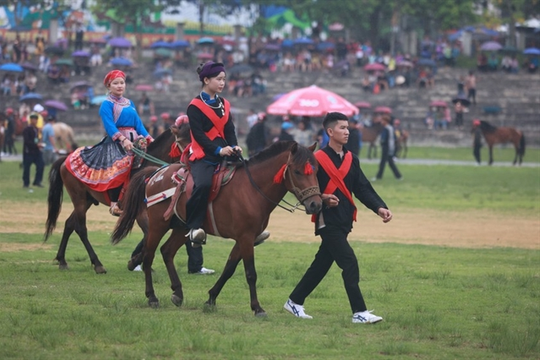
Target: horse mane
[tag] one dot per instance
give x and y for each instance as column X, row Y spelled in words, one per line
column 160, row 140
column 487, row 127
column 302, row 155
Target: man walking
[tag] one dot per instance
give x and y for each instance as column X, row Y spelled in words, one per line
column 339, row 176
column 388, row 148
column 32, row 153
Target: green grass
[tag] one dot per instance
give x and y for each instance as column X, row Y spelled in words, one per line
column 500, row 154
column 437, row 302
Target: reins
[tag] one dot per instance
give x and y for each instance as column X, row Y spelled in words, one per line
column 293, row 207
column 149, row 157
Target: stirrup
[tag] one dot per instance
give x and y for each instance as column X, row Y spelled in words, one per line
column 261, row 238
column 197, row 237
column 114, row 210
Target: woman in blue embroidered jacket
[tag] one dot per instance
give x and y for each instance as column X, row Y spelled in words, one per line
column 212, row 138
column 106, row 166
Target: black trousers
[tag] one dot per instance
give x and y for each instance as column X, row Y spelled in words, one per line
column 195, row 256
column 476, row 153
column 28, row 160
column 197, row 204
column 387, row 158
column 334, row 247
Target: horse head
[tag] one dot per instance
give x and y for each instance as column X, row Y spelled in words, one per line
column 300, row 177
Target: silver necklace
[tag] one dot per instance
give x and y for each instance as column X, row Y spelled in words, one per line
column 219, row 107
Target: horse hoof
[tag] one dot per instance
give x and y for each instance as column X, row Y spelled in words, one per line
column 209, row 307
column 63, row 267
column 100, row 270
column 261, row 314
column 154, row 304
column 176, row 300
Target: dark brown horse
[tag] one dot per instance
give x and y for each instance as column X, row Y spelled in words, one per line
column 240, row 211
column 502, row 135
column 83, row 197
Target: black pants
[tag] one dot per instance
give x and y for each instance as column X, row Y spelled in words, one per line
column 476, row 153
column 334, row 247
column 472, row 95
column 386, row 158
column 197, row 204
column 28, row 160
column 195, row 256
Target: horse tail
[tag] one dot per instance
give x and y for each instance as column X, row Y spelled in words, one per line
column 522, row 144
column 133, row 204
column 54, row 199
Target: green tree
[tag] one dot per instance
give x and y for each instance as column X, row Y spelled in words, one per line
column 133, row 12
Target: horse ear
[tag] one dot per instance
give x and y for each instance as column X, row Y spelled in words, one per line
column 312, row 147
column 294, row 147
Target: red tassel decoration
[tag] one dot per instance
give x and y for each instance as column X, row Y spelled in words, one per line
column 308, row 169
column 175, row 151
column 280, row 174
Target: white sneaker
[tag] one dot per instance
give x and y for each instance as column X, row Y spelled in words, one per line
column 138, row 268
column 296, row 310
column 365, row 317
column 204, row 271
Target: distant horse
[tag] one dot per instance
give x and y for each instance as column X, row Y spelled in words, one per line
column 63, row 136
column 401, row 145
column 370, row 135
column 241, row 211
column 83, row 197
column 502, row 135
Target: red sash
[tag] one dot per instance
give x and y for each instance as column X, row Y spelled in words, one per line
column 336, row 176
column 216, row 131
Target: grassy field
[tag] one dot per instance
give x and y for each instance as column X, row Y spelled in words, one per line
column 437, row 302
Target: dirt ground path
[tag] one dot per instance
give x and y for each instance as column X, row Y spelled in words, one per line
column 471, row 229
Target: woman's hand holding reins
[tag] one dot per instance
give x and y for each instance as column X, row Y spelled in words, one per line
column 126, row 144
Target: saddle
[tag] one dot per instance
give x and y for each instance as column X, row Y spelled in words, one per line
column 182, row 182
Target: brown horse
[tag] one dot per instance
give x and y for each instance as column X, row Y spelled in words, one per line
column 401, row 145
column 63, row 137
column 370, row 135
column 502, row 135
column 240, row 211
column 83, row 197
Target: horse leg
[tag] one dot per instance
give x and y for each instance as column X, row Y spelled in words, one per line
column 168, row 251
column 228, row 271
column 248, row 256
column 370, row 147
column 149, row 251
column 490, row 154
column 61, row 254
column 82, row 231
column 137, row 255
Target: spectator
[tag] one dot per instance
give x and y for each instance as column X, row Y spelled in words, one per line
column 470, row 85
column 303, row 134
column 257, row 138
column 388, row 147
column 459, row 110
column 48, row 136
column 146, row 105
column 32, row 153
column 355, row 137
column 252, row 118
column 9, row 147
column 477, row 142
column 79, row 36
column 285, row 134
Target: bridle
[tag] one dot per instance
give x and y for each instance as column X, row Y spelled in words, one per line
column 301, row 194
